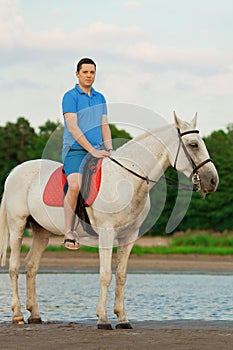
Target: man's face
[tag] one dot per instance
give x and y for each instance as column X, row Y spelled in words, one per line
column 86, row 75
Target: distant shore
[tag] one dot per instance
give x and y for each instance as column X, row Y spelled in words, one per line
column 81, row 261
column 75, row 261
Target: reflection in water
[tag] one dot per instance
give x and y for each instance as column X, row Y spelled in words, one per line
column 73, row 297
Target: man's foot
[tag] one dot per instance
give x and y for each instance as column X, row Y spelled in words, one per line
column 70, row 242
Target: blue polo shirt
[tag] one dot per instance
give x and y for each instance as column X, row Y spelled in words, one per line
column 89, row 110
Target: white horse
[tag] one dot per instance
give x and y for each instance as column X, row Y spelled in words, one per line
column 116, row 215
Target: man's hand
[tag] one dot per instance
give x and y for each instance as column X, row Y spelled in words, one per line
column 99, row 153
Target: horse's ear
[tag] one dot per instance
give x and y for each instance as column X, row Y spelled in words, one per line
column 177, row 121
column 194, row 121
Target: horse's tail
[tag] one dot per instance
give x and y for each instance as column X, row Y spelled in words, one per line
column 4, row 232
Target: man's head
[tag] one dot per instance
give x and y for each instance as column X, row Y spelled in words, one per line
column 85, row 73
column 85, row 60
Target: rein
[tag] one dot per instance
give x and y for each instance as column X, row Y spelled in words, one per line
column 148, row 180
column 194, row 166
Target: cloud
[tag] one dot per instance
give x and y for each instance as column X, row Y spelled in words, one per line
column 56, row 44
column 198, row 61
column 56, row 11
column 132, row 5
column 18, row 83
column 130, row 44
column 97, row 35
column 140, row 62
column 11, row 24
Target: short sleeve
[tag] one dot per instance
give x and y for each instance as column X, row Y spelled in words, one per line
column 105, row 110
column 69, row 104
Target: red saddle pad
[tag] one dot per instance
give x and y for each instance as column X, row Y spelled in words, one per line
column 54, row 190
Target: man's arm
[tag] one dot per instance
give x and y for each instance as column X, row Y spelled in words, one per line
column 76, row 132
column 106, row 133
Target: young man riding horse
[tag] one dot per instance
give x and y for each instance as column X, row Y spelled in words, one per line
column 86, row 130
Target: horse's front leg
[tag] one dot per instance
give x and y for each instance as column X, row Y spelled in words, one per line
column 123, row 253
column 105, row 255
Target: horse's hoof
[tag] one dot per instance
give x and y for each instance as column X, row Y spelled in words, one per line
column 126, row 325
column 18, row 320
column 34, row 320
column 105, row 326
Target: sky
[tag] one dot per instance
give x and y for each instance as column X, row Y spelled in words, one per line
column 159, row 55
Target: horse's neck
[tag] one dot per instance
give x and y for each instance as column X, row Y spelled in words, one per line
column 150, row 151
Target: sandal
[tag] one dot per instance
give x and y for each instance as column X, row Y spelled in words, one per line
column 71, row 240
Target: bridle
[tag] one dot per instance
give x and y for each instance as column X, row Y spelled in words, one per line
column 194, row 176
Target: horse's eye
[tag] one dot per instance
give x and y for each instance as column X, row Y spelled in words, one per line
column 193, row 145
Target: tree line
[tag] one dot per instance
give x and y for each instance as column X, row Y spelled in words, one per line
column 20, row 142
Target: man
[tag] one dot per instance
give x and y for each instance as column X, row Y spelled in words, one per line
column 86, row 130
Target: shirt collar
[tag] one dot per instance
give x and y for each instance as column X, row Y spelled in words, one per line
column 93, row 92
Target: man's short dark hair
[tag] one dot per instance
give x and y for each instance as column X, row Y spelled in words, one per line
column 85, row 60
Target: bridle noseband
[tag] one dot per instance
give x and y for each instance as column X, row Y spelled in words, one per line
column 194, row 176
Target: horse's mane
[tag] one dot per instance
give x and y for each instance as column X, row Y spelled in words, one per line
column 156, row 132
column 152, row 132
column 145, row 134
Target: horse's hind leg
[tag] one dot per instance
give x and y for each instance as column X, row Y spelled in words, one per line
column 40, row 242
column 16, row 236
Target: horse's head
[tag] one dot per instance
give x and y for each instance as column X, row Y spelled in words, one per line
column 192, row 157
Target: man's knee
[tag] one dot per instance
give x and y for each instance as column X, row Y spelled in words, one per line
column 74, row 183
column 74, row 187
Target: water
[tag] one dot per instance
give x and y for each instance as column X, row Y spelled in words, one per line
column 73, row 297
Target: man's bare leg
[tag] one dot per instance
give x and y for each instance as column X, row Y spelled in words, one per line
column 70, row 202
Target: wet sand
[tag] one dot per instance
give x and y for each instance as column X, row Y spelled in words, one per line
column 175, row 335
column 147, row 335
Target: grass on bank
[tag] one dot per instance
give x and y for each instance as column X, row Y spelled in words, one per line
column 185, row 243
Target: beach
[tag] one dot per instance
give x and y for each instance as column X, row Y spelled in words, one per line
column 175, row 335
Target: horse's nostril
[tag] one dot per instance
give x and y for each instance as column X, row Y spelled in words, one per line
column 213, row 181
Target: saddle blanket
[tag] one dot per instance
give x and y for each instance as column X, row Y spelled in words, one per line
column 55, row 188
